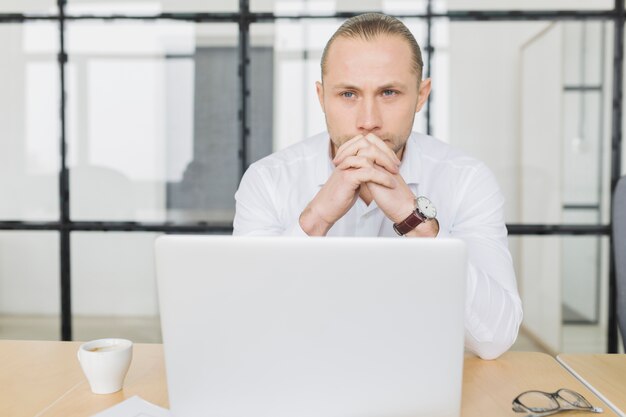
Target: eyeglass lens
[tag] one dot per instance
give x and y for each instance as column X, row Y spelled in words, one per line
column 538, row 401
column 573, row 398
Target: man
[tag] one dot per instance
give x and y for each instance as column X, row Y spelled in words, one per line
column 362, row 177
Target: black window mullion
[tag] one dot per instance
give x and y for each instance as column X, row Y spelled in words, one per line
column 64, row 192
column 244, row 87
column 616, row 169
column 429, row 59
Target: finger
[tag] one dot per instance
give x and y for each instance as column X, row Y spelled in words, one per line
column 350, row 148
column 360, row 170
column 362, row 162
column 355, row 162
column 348, row 143
column 376, row 156
column 381, row 156
column 378, row 142
column 365, row 175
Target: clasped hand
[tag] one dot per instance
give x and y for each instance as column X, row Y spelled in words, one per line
column 364, row 166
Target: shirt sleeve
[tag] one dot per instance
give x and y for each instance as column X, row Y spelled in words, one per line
column 256, row 213
column 493, row 309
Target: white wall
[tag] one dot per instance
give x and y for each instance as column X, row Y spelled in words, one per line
column 484, row 100
column 541, row 190
column 527, row 4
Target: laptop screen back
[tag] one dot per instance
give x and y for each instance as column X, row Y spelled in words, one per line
column 285, row 327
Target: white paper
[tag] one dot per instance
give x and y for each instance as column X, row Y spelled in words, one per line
column 135, row 407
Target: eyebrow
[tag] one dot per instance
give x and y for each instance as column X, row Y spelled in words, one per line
column 393, row 85
column 387, row 86
column 344, row 86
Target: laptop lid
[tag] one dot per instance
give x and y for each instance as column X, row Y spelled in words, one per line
column 299, row 327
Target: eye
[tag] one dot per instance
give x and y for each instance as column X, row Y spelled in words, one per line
column 389, row 93
column 348, row 94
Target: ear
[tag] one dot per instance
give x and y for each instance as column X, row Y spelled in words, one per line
column 319, row 87
column 423, row 94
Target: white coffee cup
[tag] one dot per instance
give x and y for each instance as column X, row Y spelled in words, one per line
column 105, row 363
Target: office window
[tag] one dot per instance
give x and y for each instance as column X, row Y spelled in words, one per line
column 526, row 4
column 114, row 286
column 317, row 7
column 29, row 285
column 29, row 121
column 532, row 100
column 105, row 7
column 28, row 6
column 564, row 301
column 153, row 121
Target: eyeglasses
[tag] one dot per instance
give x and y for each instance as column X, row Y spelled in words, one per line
column 540, row 404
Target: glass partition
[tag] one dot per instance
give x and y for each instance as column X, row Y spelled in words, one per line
column 525, row 4
column 114, row 290
column 29, row 285
column 532, row 100
column 105, row 7
column 29, row 7
column 563, row 282
column 153, row 121
column 317, row 7
column 29, row 121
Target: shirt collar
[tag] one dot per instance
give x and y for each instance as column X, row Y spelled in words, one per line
column 410, row 169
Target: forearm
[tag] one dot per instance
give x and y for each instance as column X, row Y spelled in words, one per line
column 312, row 224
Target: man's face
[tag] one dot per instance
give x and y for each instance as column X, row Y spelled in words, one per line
column 371, row 87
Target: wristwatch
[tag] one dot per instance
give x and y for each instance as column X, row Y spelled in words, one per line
column 424, row 210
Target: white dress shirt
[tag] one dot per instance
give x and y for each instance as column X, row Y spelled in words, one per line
column 275, row 190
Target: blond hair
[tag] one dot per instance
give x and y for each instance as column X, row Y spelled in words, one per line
column 370, row 26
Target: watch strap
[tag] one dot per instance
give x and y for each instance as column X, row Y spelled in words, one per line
column 411, row 222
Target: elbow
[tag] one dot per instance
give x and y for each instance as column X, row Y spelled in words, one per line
column 491, row 350
column 489, row 344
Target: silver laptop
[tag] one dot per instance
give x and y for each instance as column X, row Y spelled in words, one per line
column 312, row 327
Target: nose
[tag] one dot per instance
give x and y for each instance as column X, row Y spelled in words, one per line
column 369, row 118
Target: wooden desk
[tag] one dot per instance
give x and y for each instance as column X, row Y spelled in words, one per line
column 44, row 379
column 604, row 374
column 490, row 386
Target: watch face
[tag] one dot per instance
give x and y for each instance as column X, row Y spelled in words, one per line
column 426, row 207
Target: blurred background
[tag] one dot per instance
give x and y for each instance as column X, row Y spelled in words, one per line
column 122, row 120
